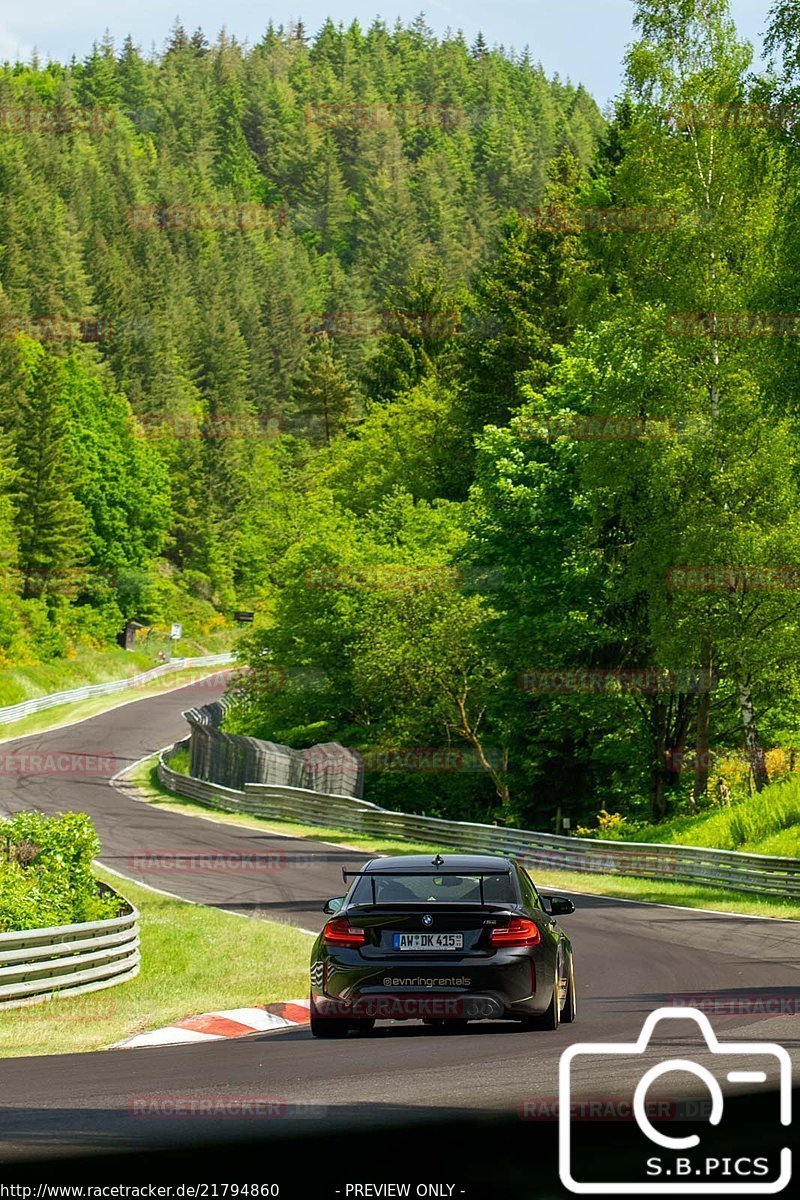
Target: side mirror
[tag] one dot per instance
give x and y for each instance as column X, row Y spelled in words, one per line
column 332, row 906
column 558, row 906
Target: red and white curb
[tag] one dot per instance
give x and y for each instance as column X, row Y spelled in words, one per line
column 231, row 1023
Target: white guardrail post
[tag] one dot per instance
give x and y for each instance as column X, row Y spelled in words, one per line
column 66, row 960
column 754, row 873
column 15, row 712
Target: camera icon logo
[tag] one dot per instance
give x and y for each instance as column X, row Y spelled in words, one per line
column 676, row 1170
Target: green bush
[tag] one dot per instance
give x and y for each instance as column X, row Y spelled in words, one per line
column 776, row 809
column 180, row 761
column 46, row 872
column 456, row 797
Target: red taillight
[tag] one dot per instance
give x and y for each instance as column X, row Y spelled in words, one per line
column 339, row 932
column 520, row 931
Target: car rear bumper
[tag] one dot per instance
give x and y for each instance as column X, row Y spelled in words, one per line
column 510, row 985
column 400, row 1006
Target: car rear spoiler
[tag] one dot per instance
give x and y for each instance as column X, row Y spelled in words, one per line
column 433, row 871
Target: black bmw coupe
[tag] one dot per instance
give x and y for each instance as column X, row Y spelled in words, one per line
column 444, row 940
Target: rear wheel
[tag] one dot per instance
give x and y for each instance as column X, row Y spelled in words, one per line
column 362, row 1024
column 569, row 1010
column 329, row 1027
column 550, row 1018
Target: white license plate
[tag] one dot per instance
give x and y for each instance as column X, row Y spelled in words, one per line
column 428, row 941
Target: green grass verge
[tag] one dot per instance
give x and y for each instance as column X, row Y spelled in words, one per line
column 768, row 823
column 194, row 959
column 648, row 891
column 657, row 891
column 144, row 778
column 179, row 762
column 67, row 714
column 89, row 666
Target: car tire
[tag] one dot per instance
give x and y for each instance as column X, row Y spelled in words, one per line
column 551, row 1017
column 363, row 1024
column 329, row 1027
column 569, row 1010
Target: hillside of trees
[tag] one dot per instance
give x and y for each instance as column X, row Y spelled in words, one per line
column 608, row 469
column 172, row 231
column 486, row 404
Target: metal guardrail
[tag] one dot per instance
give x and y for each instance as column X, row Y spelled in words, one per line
column 25, row 708
column 67, row 960
column 753, row 873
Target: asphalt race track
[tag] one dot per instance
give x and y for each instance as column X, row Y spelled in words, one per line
column 630, row 959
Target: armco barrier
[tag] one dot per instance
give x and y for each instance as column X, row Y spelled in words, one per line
column 754, row 873
column 66, row 960
column 15, row 712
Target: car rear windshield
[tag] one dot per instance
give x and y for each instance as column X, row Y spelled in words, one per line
column 433, row 889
